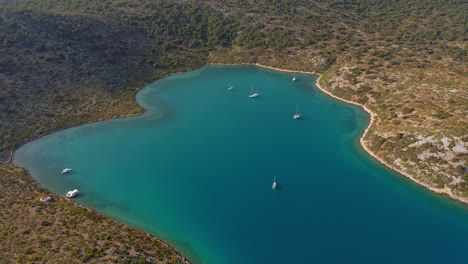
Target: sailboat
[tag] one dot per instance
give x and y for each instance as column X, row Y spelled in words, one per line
column 294, row 78
column 253, row 94
column 274, row 183
column 297, row 115
column 66, row 170
column 230, row 87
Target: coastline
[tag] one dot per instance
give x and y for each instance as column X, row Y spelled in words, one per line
column 74, row 202
column 132, row 235
column 72, row 126
column 441, row 191
column 142, row 112
column 264, row 66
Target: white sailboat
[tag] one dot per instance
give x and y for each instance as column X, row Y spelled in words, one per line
column 294, row 78
column 253, row 94
column 66, row 170
column 274, row 183
column 230, row 87
column 297, row 115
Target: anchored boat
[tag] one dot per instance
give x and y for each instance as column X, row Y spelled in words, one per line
column 297, row 115
column 72, row 194
column 253, row 94
column 230, row 87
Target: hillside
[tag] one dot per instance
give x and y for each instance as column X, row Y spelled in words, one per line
column 69, row 62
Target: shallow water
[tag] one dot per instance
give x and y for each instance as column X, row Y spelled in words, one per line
column 196, row 170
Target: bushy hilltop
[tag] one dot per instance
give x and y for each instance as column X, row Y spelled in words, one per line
column 66, row 62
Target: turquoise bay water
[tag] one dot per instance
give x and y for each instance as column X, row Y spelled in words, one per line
column 196, row 170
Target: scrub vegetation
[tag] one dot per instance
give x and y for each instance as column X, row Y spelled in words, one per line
column 67, row 62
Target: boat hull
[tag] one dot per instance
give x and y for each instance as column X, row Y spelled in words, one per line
column 72, row 194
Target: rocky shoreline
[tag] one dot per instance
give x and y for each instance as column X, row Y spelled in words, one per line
column 65, row 224
column 442, row 191
column 33, row 181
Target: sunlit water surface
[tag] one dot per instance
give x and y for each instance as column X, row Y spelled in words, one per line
column 197, row 168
